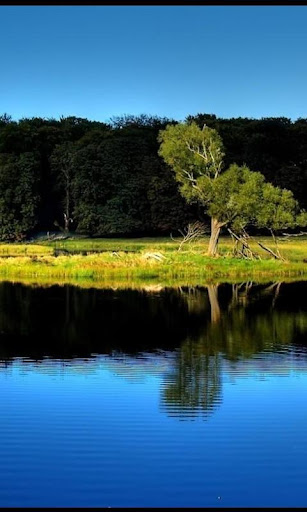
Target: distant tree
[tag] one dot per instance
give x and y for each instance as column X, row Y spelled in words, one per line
column 5, row 119
column 19, row 198
column 121, row 187
column 74, row 128
column 63, row 166
column 141, row 121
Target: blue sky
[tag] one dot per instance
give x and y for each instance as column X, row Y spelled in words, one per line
column 101, row 61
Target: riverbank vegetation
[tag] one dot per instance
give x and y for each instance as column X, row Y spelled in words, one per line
column 147, row 260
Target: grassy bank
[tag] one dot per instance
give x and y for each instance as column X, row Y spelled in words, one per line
column 145, row 260
column 293, row 249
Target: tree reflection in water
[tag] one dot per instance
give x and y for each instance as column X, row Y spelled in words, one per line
column 244, row 322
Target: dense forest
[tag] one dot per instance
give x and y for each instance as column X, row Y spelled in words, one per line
column 107, row 179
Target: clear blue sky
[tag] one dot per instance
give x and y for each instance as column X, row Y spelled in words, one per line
column 101, row 61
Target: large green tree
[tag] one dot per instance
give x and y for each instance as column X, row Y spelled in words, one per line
column 234, row 198
column 196, row 156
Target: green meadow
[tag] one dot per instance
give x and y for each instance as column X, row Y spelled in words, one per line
column 146, row 260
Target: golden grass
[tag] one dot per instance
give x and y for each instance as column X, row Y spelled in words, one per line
column 112, row 264
column 294, row 249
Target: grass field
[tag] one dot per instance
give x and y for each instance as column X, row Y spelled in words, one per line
column 145, row 260
column 293, row 249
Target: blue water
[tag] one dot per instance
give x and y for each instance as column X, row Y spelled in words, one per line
column 200, row 423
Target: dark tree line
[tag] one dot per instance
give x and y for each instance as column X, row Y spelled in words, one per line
column 107, row 178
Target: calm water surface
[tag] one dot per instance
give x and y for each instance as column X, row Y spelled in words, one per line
column 161, row 397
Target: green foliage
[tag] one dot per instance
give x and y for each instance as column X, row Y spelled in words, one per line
column 236, row 197
column 278, row 209
column 18, row 195
column 121, row 187
column 302, row 219
column 242, row 197
column 193, row 153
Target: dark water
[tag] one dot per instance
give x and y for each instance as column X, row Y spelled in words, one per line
column 174, row 397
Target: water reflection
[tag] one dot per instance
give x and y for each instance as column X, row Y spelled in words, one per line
column 104, row 394
column 250, row 328
column 187, row 336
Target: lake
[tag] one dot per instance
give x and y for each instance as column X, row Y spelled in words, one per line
column 156, row 397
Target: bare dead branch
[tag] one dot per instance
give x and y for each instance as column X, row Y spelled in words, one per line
column 275, row 255
column 245, row 251
column 289, row 235
column 191, row 233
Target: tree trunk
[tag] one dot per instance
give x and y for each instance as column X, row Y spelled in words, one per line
column 67, row 205
column 214, row 303
column 214, row 238
column 66, row 223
